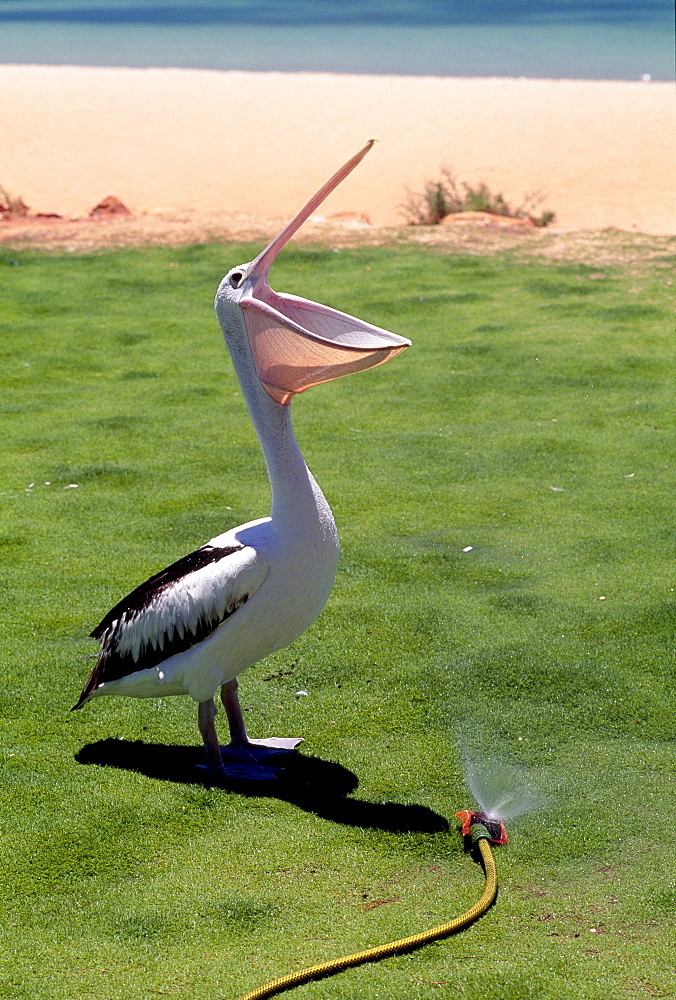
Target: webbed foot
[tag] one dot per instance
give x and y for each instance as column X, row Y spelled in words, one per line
column 259, row 750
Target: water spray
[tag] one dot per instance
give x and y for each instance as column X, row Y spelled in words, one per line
column 481, row 831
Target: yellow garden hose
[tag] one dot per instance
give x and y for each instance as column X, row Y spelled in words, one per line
column 482, row 838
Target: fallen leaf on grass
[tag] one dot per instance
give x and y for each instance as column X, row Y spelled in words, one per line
column 380, row 902
column 445, row 982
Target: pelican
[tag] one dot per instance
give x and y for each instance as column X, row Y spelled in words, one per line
column 195, row 626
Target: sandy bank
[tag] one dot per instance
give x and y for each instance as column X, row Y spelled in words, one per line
column 256, row 144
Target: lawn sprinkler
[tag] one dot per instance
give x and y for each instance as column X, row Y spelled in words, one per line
column 478, row 826
column 480, row 832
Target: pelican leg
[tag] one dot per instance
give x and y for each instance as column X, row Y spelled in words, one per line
column 241, row 747
column 233, row 711
column 206, row 713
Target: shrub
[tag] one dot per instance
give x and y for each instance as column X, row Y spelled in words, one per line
column 10, row 205
column 446, row 196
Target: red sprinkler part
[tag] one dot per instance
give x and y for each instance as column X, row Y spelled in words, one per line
column 495, row 828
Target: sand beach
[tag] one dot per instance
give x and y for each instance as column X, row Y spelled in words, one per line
column 253, row 146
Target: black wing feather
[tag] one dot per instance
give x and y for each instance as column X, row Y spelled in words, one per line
column 140, row 598
column 114, row 663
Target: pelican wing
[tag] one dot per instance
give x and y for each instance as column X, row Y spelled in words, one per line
column 174, row 610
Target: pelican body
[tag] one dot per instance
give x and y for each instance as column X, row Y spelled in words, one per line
column 194, row 627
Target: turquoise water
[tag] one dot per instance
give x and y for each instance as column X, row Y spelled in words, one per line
column 583, row 39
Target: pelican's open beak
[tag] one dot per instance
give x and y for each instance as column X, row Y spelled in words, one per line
column 297, row 343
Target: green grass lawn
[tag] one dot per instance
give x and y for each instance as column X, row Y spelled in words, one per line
column 533, row 421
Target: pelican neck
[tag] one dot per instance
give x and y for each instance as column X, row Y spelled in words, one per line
column 295, row 494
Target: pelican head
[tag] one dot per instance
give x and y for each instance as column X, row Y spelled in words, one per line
column 295, row 343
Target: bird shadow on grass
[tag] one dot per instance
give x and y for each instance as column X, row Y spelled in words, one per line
column 314, row 785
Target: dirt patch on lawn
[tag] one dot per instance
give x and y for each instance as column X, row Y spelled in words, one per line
column 87, row 235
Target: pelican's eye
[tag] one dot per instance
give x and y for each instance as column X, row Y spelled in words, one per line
column 236, row 278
